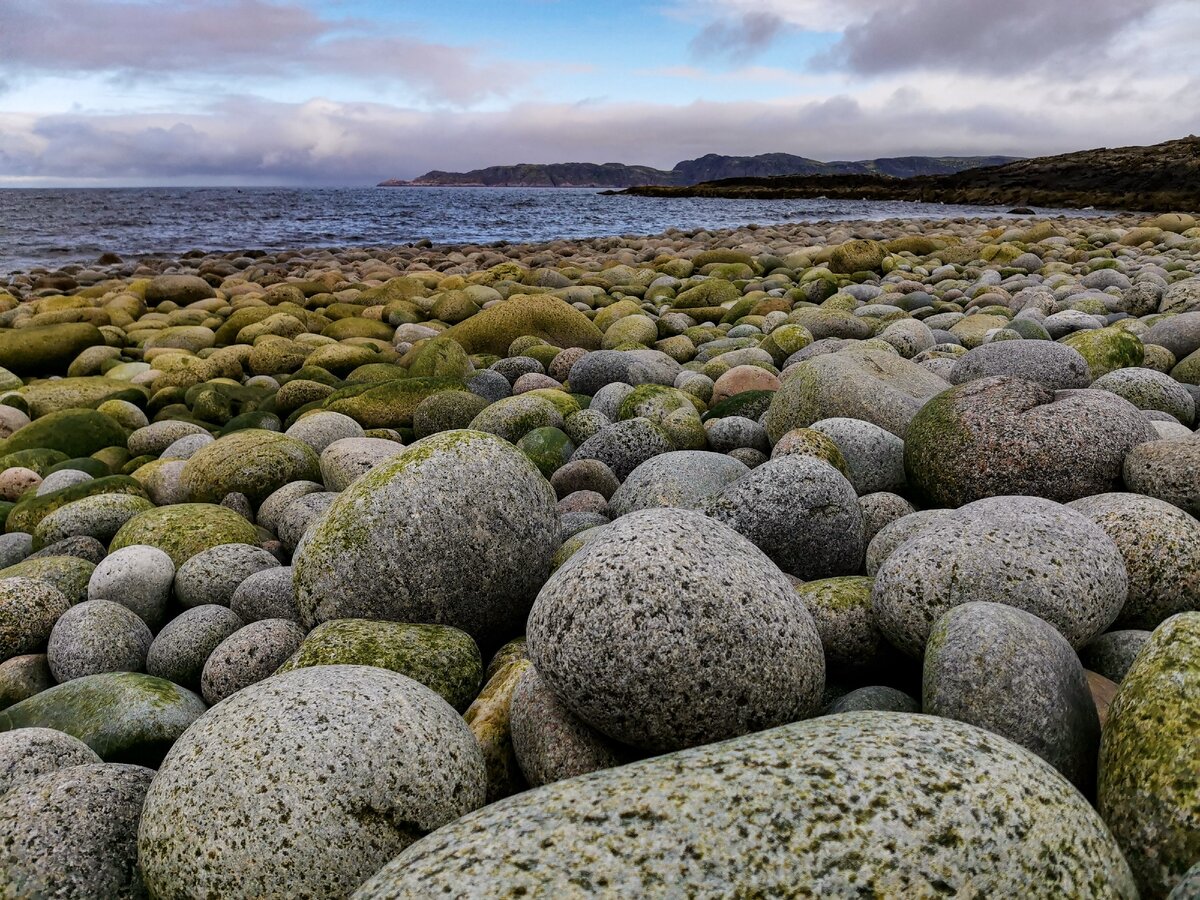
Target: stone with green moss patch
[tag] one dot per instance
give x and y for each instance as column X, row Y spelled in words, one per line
column 252, row 462
column 443, row 659
column 812, row 803
column 74, row 432
column 185, row 529
column 1148, row 790
column 1107, row 349
column 123, row 716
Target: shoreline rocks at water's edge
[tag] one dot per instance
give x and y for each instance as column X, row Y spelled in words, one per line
column 601, row 525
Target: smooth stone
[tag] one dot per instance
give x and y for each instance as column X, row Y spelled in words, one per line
column 247, row 656
column 123, row 716
column 97, row 636
column 28, row 610
column 798, row 510
column 488, row 530
column 841, row 610
column 1112, row 653
column 1033, row 554
column 312, row 779
column 1160, row 544
column 874, row 697
column 344, row 460
column 73, row 833
column 1167, row 470
column 1054, row 366
column 1007, row 671
column 1003, row 436
column 684, row 479
column 443, row 659
column 138, row 578
column 1148, row 791
column 212, row 576
column 551, row 743
column 623, row 446
column 731, row 651
column 181, row 649
column 27, row 753
column 266, row 594
column 874, row 456
column 23, row 676
column 847, row 805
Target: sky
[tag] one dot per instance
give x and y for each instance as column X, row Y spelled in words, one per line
column 350, row 92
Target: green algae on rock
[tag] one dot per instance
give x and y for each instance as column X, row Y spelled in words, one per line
column 492, row 330
column 185, row 529
column 443, row 659
column 252, row 462
column 123, row 716
column 75, row 432
column 458, row 530
column 1148, row 790
column 814, row 804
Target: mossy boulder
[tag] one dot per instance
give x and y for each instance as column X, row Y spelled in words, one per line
column 549, row 318
column 488, row 718
column 69, row 574
column 40, row 460
column 548, row 448
column 446, row 411
column 388, row 404
column 27, row 514
column 46, row 397
column 655, row 402
column 252, row 462
column 124, row 716
column 75, row 432
column 443, row 659
column 857, row 256
column 873, row 385
column 869, row 804
column 358, row 327
column 100, row 516
column 1149, row 793
column 1107, row 349
column 185, row 529
column 441, row 357
column 712, row 292
column 46, row 349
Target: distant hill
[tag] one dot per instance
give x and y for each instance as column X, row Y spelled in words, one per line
column 693, row 171
column 1161, row 177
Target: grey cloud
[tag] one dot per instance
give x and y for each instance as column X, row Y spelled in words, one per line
column 735, row 37
column 336, row 143
column 986, row 37
column 247, row 37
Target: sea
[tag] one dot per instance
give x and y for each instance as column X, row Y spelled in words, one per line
column 50, row 228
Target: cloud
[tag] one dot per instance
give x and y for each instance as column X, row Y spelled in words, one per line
column 985, row 36
column 323, row 141
column 733, row 38
column 256, row 38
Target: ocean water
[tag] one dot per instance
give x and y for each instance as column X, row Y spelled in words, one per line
column 51, row 228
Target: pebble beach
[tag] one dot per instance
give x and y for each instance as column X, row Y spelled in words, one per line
column 825, row 559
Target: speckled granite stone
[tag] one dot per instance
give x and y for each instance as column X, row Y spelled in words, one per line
column 868, row 803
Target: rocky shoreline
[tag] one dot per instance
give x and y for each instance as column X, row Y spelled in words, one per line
column 811, row 559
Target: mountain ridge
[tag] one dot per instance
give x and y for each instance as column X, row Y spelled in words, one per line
column 710, row 167
column 1163, row 177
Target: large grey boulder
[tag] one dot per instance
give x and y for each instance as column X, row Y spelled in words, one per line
column 1009, row 672
column 306, row 783
column 859, row 804
column 1026, row 552
column 458, row 530
column 671, row 629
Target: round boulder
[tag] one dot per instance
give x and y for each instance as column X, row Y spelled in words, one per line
column 312, row 779
column 1034, row 554
column 1004, row 435
column 253, row 462
column 1148, row 791
column 798, row 510
column 1009, row 672
column 212, row 576
column 97, row 636
column 487, row 531
column 29, row 752
column 73, row 833
column 682, row 478
column 730, row 649
column 248, row 656
column 848, row 805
